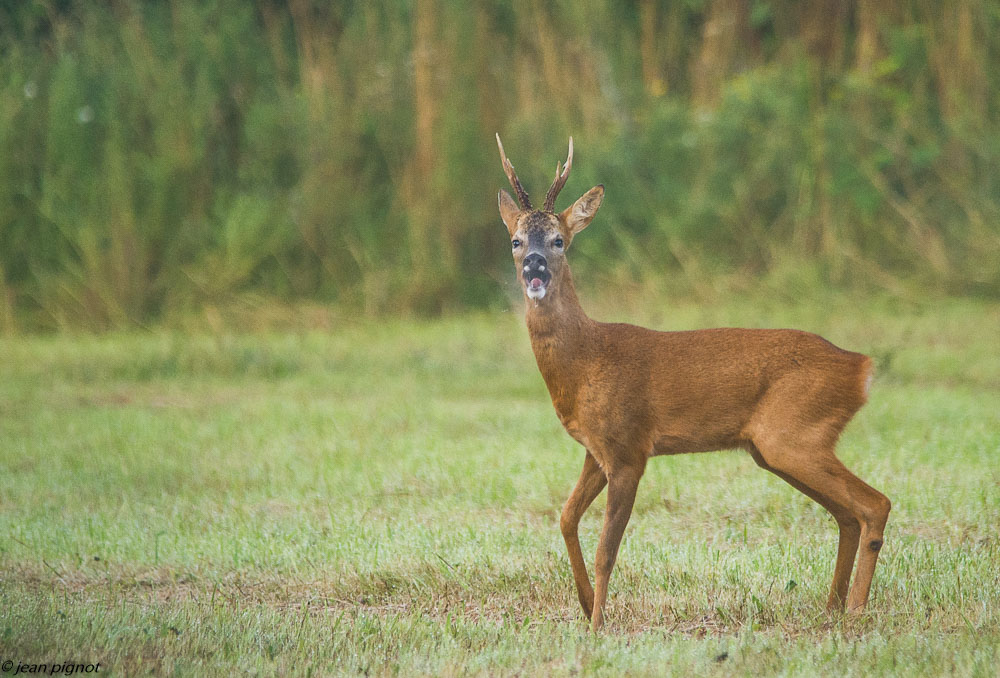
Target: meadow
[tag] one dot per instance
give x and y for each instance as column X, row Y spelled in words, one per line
column 382, row 498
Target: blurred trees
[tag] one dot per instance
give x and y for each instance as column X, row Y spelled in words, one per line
column 157, row 156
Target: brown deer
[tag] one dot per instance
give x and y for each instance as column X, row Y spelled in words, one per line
column 627, row 393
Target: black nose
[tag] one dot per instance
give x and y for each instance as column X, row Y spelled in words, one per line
column 535, row 262
column 535, row 266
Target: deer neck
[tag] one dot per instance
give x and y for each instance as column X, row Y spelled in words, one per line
column 560, row 337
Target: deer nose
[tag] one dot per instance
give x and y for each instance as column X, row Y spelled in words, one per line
column 535, row 262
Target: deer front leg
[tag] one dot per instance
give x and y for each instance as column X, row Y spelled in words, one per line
column 590, row 484
column 622, row 485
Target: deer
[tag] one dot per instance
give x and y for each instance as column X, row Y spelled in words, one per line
column 627, row 393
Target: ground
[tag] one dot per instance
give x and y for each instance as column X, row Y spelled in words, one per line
column 383, row 498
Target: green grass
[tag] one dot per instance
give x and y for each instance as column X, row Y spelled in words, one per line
column 384, row 500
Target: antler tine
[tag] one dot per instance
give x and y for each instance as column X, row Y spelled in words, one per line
column 559, row 181
column 522, row 195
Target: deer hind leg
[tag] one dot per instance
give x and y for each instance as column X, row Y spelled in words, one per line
column 592, row 481
column 622, row 485
column 850, row 534
column 824, row 478
column 872, row 530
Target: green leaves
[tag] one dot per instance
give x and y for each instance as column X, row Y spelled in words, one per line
column 155, row 157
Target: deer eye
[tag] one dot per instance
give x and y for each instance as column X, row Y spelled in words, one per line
column 558, row 242
column 515, row 243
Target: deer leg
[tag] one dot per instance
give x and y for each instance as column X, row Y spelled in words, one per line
column 590, row 484
column 847, row 545
column 877, row 507
column 850, row 534
column 824, row 476
column 622, row 485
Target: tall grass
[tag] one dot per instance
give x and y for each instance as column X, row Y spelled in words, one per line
column 159, row 156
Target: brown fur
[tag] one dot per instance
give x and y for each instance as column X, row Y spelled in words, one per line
column 627, row 393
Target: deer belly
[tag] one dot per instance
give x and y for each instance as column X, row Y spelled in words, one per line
column 681, row 443
column 676, row 445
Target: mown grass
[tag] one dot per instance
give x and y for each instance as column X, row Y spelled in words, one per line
column 384, row 499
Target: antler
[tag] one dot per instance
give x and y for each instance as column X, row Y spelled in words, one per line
column 522, row 195
column 559, row 181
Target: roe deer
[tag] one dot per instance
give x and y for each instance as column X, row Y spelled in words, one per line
column 627, row 393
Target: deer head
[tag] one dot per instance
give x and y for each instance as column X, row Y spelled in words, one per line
column 539, row 238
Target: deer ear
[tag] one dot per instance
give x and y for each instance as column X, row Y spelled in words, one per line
column 579, row 214
column 509, row 210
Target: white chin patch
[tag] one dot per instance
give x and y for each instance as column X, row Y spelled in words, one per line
column 535, row 294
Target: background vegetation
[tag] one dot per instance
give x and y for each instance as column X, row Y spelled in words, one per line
column 156, row 157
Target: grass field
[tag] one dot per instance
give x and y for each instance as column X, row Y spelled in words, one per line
column 383, row 499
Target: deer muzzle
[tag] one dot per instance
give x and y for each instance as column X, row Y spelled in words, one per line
column 536, row 274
